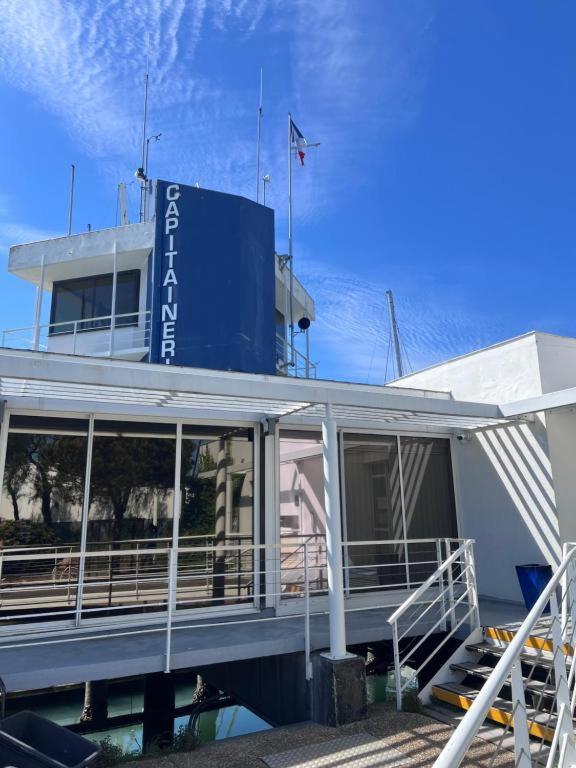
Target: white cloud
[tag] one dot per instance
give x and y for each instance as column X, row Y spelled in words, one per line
column 352, row 327
column 350, row 80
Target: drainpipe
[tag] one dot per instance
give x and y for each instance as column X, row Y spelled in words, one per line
column 333, row 536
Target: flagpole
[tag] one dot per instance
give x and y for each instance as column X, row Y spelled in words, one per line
column 258, row 142
column 290, row 258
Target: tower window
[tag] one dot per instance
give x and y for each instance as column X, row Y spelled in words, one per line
column 87, row 301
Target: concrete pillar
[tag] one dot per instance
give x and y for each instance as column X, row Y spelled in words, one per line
column 159, row 702
column 338, row 690
column 333, row 536
column 95, row 702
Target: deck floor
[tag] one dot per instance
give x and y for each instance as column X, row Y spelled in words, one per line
column 96, row 654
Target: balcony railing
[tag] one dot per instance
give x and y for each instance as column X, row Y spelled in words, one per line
column 298, row 365
column 64, row 590
column 105, row 335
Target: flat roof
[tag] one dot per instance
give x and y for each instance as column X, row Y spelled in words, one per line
column 51, row 381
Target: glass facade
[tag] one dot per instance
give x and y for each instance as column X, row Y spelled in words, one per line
column 216, row 566
column 387, row 498
column 397, row 500
column 41, row 516
column 302, row 515
column 128, row 530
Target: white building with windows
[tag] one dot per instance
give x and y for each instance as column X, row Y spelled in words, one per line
column 156, row 515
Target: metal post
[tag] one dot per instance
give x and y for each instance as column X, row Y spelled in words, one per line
column 307, row 353
column 290, row 255
column 38, row 306
column 441, row 585
column 74, row 337
column 394, row 334
column 114, row 285
column 171, row 599
column 397, row 670
column 450, row 587
column 85, row 513
column 143, row 187
column 471, row 584
column 258, row 146
column 5, row 426
column 333, row 536
column 137, row 566
column 176, row 510
column 71, row 206
column 521, row 735
column 403, row 505
column 561, row 681
column 307, row 614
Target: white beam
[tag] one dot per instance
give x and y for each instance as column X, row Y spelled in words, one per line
column 551, row 400
column 337, row 617
column 123, row 374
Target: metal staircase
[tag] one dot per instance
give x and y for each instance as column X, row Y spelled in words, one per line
column 519, row 678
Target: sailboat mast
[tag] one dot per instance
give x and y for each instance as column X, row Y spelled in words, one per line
column 394, row 334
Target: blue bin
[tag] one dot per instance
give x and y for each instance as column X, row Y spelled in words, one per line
column 533, row 579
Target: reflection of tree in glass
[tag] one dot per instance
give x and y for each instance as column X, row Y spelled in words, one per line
column 125, row 470
column 45, row 468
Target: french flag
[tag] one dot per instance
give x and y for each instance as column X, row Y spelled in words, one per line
column 297, row 139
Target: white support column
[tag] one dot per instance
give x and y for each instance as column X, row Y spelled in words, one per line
column 38, row 306
column 113, row 307
column 333, row 536
column 3, row 446
column 85, row 514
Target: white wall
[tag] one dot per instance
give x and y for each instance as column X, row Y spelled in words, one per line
column 557, row 357
column 503, row 476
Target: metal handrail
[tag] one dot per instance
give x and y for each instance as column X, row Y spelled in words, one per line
column 448, row 601
column 428, row 583
column 455, row 750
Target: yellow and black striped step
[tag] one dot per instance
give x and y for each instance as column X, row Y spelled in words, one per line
column 484, row 671
column 540, row 724
column 535, row 642
column 542, row 658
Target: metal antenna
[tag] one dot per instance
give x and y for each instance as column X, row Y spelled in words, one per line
column 258, row 144
column 144, row 185
column 394, row 334
column 71, row 205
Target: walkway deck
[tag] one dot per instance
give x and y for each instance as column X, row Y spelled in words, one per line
column 416, row 737
column 41, row 663
column 137, row 650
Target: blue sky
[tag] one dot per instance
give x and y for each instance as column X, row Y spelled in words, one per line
column 447, row 169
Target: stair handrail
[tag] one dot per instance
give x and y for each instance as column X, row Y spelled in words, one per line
column 415, row 596
column 458, row 744
column 446, row 601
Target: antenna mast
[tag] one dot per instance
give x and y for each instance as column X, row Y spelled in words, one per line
column 258, row 144
column 394, row 334
column 144, row 185
column 71, row 204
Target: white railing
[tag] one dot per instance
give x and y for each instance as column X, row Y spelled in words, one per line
column 301, row 366
column 445, row 602
column 93, row 336
column 549, row 719
column 51, row 594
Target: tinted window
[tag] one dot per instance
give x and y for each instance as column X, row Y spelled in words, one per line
column 91, row 297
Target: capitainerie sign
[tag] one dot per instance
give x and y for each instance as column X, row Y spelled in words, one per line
column 169, row 278
column 211, row 286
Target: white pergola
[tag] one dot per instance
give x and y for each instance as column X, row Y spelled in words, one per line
column 53, row 382
column 60, row 383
